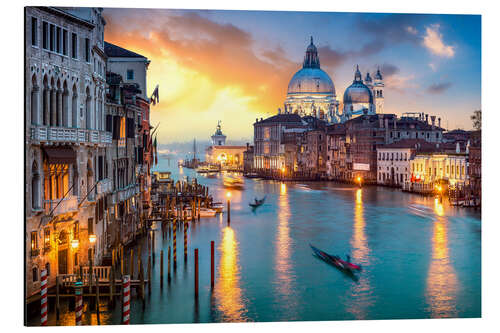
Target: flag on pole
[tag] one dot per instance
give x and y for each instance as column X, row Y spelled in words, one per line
column 155, row 97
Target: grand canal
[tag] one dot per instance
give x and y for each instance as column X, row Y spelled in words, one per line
column 420, row 258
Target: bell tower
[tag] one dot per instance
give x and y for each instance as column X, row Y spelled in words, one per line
column 378, row 92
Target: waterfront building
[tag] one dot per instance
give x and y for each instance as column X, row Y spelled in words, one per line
column 130, row 155
column 352, row 147
column 393, row 160
column 311, row 149
column 268, row 138
column 66, row 139
column 130, row 65
column 431, row 167
column 475, row 163
column 226, row 156
column 248, row 159
column 336, row 165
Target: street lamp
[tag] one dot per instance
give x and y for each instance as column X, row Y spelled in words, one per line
column 359, row 180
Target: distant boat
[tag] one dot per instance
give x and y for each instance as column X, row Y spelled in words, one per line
column 233, row 182
column 218, row 207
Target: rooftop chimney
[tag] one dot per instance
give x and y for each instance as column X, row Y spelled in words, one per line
column 427, row 118
column 433, row 120
column 439, row 122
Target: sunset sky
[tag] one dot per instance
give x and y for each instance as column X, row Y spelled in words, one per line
column 235, row 66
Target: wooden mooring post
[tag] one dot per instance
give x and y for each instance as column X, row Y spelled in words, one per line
column 212, row 264
column 97, row 300
column 196, row 273
column 131, row 265
column 161, row 269
column 149, row 275
column 185, row 241
column 58, row 307
column 168, row 269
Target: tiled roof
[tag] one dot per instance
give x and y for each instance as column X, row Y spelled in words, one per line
column 115, row 51
column 282, row 118
column 411, row 143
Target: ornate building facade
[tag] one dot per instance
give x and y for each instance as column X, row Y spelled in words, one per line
column 65, row 139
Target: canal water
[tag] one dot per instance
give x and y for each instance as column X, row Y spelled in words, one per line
column 419, row 258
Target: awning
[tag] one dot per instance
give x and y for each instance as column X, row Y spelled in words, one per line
column 60, row 155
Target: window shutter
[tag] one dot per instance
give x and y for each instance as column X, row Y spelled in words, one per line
column 116, row 127
column 109, row 123
column 130, row 128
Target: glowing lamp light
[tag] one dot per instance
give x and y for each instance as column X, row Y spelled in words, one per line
column 92, row 238
column 74, row 243
column 228, row 195
column 283, row 169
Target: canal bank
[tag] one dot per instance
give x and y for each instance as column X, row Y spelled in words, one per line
column 411, row 248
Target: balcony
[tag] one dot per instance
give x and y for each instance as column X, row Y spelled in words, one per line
column 52, row 134
column 67, row 205
column 127, row 192
column 104, row 186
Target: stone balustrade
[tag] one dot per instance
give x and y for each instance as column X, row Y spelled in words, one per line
column 53, row 134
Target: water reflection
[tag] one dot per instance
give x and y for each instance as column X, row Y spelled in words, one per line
column 283, row 264
column 361, row 293
column 442, row 283
column 228, row 293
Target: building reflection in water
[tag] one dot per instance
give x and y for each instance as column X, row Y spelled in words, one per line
column 442, row 283
column 283, row 265
column 228, row 294
column 361, row 295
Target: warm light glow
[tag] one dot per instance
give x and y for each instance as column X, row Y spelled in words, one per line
column 283, row 189
column 228, row 293
column 361, row 292
column 285, row 283
column 283, row 169
column 442, row 283
column 92, row 238
column 181, row 161
column 75, row 243
column 359, row 179
column 438, row 207
column 228, row 195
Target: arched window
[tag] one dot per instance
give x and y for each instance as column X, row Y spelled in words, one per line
column 66, row 116
column 35, row 187
column 74, row 107
column 59, row 108
column 46, row 103
column 53, row 111
column 34, row 101
column 88, row 115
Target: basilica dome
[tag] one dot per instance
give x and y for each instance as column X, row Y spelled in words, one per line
column 311, row 91
column 311, row 80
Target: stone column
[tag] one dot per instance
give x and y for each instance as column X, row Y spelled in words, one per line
column 59, row 108
column 53, row 111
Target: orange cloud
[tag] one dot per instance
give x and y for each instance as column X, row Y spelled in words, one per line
column 199, row 63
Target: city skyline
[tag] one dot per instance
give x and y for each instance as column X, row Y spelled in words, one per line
column 237, row 70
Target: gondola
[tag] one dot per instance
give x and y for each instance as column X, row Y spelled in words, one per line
column 335, row 260
column 257, row 202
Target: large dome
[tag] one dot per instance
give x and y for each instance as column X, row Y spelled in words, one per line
column 311, row 80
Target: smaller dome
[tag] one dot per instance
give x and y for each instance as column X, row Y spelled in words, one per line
column 378, row 75
column 358, row 93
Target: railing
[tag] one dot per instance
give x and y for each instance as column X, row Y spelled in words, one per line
column 68, row 204
column 101, row 272
column 104, row 186
column 127, row 192
column 64, row 134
